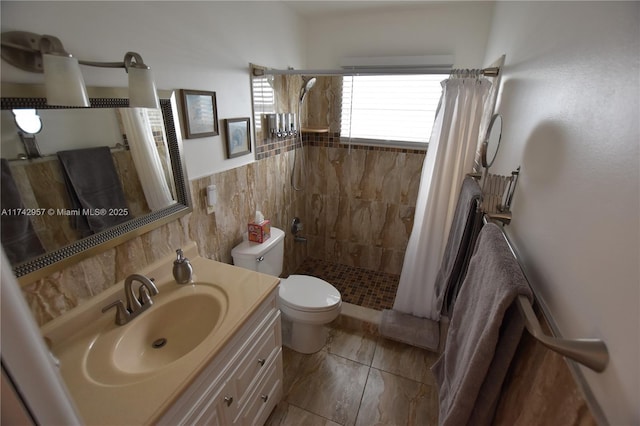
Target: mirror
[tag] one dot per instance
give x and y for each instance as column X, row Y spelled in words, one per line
column 491, row 142
column 130, row 159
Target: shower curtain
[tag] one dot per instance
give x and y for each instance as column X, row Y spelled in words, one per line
column 450, row 156
column 146, row 158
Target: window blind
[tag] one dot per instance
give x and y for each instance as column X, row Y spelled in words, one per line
column 264, row 100
column 390, row 108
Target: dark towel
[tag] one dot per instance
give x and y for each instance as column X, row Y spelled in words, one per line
column 19, row 238
column 94, row 189
column 466, row 224
column 483, row 334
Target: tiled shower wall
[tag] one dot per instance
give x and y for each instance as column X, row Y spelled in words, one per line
column 360, row 203
column 360, row 200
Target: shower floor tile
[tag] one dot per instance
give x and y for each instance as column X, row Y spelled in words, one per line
column 362, row 287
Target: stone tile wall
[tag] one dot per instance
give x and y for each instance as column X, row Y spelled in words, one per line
column 360, row 202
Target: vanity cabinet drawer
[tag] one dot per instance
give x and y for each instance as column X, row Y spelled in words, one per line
column 266, row 396
column 219, row 410
column 258, row 357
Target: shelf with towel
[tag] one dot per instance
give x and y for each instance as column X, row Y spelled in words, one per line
column 592, row 353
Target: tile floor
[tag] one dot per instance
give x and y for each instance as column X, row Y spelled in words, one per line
column 363, row 287
column 358, row 379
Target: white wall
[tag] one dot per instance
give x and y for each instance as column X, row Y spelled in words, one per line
column 570, row 104
column 454, row 28
column 189, row 45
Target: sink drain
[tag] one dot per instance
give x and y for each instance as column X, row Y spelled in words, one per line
column 157, row 344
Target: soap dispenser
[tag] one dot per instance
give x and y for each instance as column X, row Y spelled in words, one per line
column 182, row 269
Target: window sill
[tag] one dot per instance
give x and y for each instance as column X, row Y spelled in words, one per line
column 422, row 146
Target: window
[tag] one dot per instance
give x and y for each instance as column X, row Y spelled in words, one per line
column 392, row 109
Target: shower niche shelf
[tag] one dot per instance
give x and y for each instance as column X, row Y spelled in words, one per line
column 315, row 130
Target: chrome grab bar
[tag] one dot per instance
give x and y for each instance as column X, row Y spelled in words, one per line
column 592, row 353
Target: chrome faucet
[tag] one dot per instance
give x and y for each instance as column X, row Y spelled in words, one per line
column 135, row 304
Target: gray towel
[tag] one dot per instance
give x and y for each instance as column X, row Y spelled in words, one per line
column 405, row 328
column 466, row 224
column 19, row 238
column 483, row 334
column 94, row 188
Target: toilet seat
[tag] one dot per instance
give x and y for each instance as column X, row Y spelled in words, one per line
column 308, row 294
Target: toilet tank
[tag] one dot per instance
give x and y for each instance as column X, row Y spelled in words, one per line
column 266, row 257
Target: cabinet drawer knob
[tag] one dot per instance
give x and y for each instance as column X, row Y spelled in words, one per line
column 261, row 361
column 264, row 397
column 228, row 400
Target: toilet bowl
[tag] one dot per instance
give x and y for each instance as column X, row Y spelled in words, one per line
column 307, row 303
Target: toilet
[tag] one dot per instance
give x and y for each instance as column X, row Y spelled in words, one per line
column 307, row 303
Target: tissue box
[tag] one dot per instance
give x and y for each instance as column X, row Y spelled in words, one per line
column 260, row 232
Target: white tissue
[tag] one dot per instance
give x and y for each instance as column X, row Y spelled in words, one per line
column 259, row 217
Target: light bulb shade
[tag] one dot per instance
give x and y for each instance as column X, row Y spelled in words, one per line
column 64, row 84
column 142, row 88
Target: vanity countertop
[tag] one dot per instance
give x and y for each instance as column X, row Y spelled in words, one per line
column 143, row 396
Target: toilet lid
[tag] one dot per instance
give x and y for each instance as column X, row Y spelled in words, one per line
column 306, row 293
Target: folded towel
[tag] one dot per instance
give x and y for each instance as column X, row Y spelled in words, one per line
column 19, row 238
column 93, row 185
column 466, row 224
column 406, row 328
column 483, row 334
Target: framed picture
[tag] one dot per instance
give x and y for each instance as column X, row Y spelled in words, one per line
column 200, row 113
column 238, row 139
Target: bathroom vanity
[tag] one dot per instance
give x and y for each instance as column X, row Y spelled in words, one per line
column 243, row 383
column 204, row 353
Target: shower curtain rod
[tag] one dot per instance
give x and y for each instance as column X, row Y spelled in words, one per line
column 259, row 72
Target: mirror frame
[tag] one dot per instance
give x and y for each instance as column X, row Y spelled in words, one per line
column 485, row 143
column 15, row 96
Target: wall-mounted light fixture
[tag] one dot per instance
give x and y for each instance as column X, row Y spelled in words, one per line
column 29, row 124
column 63, row 80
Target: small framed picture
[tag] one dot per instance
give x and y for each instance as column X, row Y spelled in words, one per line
column 200, row 113
column 238, row 139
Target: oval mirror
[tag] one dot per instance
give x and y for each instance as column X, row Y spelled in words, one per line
column 492, row 141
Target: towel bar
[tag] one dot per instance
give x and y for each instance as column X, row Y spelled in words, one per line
column 592, row 353
column 505, row 217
